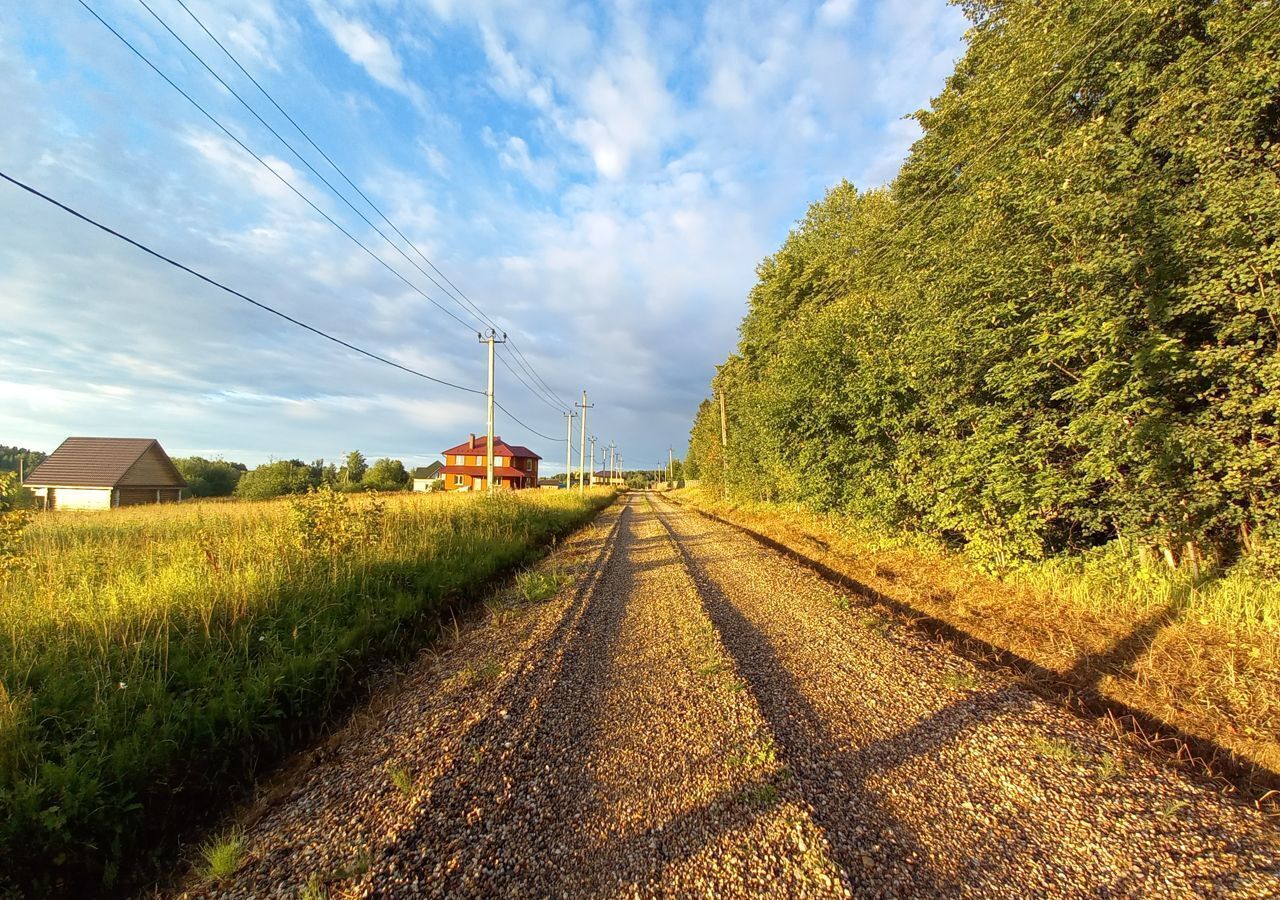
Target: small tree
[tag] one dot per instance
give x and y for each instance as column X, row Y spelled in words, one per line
column 274, row 479
column 356, row 466
column 387, row 475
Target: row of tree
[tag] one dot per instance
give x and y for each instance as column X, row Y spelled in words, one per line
column 19, row 459
column 218, row 478
column 1060, row 324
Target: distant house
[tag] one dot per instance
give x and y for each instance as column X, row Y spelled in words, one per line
column 607, row 477
column 425, row 478
column 514, row 467
column 100, row 473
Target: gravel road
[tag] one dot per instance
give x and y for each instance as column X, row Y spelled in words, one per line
column 696, row 715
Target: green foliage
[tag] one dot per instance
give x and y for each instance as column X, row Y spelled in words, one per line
column 210, row 477
column 13, row 522
column 222, row 855
column 1059, row 325
column 157, row 656
column 275, row 479
column 387, row 475
column 10, row 457
column 355, row 467
column 329, row 524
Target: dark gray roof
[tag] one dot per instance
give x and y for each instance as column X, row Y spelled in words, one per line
column 95, row 462
column 431, row 471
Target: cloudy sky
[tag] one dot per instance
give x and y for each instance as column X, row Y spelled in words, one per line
column 600, row 180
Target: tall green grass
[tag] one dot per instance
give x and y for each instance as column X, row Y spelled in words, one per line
column 152, row 657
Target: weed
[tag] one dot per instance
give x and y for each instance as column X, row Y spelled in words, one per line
column 1055, row 749
column 537, row 586
column 487, row 671
column 402, row 780
column 961, row 681
column 314, row 889
column 222, row 854
column 1172, row 808
column 714, row 667
column 761, row 794
column 873, row 622
column 759, row 754
column 1111, row 767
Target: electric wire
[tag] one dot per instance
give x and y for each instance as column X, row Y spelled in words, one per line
column 305, row 161
column 458, row 292
column 507, row 366
column 524, row 425
column 533, row 388
column 269, row 168
column 235, row 293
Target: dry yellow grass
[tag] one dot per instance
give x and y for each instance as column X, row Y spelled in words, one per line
column 1202, row 656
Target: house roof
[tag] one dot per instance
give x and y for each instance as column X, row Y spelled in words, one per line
column 500, row 448
column 97, row 462
column 430, row 471
column 478, row 471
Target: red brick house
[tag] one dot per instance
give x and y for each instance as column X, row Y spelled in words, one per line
column 514, row 467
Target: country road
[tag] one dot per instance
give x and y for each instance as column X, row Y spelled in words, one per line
column 694, row 714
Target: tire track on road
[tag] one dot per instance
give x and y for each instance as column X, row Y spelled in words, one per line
column 929, row 776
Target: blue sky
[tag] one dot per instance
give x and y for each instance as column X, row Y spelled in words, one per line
column 601, row 179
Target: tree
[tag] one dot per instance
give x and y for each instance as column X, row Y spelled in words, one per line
column 387, row 475
column 355, row 467
column 1039, row 343
column 10, row 457
column 210, row 477
column 274, row 479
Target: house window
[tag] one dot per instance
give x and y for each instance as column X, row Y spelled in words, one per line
column 476, row 461
column 459, row 480
column 499, row 460
column 457, row 460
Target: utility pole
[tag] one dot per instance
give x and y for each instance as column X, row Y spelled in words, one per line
column 490, row 337
column 593, row 460
column 670, row 464
column 568, row 449
column 582, row 444
column 613, row 448
column 724, row 442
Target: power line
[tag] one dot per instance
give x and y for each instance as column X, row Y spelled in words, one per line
column 507, row 366
column 215, row 283
column 523, row 425
column 458, row 292
column 304, row 160
column 268, row 167
column 542, row 391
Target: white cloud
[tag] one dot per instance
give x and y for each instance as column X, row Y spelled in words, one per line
column 368, row 49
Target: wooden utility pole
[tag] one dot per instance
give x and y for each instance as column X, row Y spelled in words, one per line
column 593, row 460
column 582, row 445
column 568, row 449
column 671, row 469
column 490, row 337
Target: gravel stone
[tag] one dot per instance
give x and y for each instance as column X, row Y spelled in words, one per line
column 696, row 715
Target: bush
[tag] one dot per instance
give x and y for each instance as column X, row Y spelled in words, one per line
column 274, row 479
column 209, row 477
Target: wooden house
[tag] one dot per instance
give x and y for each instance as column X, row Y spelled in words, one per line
column 101, row 473
column 514, row 467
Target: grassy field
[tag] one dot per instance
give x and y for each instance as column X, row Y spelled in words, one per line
column 151, row 658
column 1199, row 652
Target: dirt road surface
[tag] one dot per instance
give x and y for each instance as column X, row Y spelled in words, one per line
column 695, row 715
